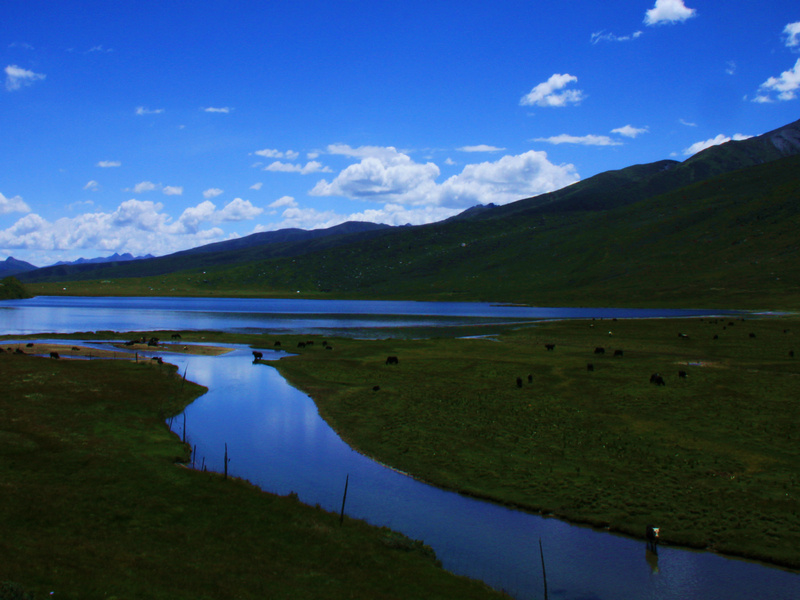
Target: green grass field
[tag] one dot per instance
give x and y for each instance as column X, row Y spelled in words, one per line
column 713, row 458
column 94, row 506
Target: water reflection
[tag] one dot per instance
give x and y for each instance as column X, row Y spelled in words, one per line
column 277, row 440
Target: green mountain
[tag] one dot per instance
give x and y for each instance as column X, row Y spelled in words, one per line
column 716, row 230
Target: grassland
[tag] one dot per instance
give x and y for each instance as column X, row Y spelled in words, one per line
column 712, row 458
column 93, row 505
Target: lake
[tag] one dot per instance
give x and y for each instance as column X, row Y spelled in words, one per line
column 277, row 440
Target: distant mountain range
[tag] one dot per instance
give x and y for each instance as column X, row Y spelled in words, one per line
column 12, row 266
column 719, row 227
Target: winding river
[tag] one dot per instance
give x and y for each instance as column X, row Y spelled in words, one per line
column 277, row 440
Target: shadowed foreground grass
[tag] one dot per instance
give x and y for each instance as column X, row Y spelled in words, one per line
column 92, row 505
column 712, row 458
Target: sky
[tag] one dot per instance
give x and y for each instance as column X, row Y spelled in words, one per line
column 150, row 127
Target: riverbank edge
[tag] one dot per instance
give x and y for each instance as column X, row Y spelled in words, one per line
column 181, row 458
column 544, row 511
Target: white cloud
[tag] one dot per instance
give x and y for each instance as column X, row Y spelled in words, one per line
column 144, row 186
column 15, row 204
column 547, row 93
column 792, row 33
column 383, row 174
column 16, row 77
column 668, row 11
column 480, row 148
column 109, row 163
column 212, row 193
column 388, row 176
column 141, row 110
column 92, row 186
column 272, row 153
column 786, row 86
column 287, row 201
column 173, row 190
column 730, row 67
column 585, row 140
column 238, row 210
column 602, row 36
column 687, row 123
column 310, row 167
column 716, row 141
column 629, row 131
column 256, row 186
column 139, row 227
column 223, row 109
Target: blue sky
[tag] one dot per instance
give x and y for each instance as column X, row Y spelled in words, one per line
column 151, row 127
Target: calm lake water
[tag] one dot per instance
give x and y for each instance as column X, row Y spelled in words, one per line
column 277, row 440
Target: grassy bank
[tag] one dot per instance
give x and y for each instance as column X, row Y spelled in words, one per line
column 93, row 505
column 712, row 458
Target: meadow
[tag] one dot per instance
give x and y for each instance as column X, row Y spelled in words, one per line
column 96, row 505
column 713, row 458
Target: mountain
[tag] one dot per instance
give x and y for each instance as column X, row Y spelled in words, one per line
column 12, row 266
column 717, row 229
column 113, row 258
column 285, row 242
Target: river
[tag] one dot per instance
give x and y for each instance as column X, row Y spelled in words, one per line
column 277, row 440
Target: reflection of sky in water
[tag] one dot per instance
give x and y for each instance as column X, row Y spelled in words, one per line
column 277, row 440
column 68, row 314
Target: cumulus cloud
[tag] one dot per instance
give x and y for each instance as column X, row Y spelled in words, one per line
column 792, row 33
column 549, row 92
column 256, row 186
column 141, row 110
column 630, row 131
column 238, row 210
column 15, row 204
column 136, row 226
column 716, row 141
column 383, row 173
column 284, row 201
column 109, row 163
column 602, row 36
column 668, row 12
column 480, row 148
column 584, row 140
column 17, row 77
column 211, row 193
column 173, row 190
column 784, row 87
column 144, row 186
column 388, row 176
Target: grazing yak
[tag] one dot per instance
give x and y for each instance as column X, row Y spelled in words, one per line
column 257, row 355
column 618, row 353
column 599, row 350
column 54, row 355
column 391, row 360
column 550, row 347
column 590, row 367
column 657, row 379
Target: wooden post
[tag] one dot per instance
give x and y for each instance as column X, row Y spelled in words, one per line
column 544, row 574
column 226, row 460
column 344, row 498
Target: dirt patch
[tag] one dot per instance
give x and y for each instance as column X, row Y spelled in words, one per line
column 118, row 351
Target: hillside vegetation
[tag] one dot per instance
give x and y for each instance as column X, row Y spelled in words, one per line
column 12, row 289
column 729, row 241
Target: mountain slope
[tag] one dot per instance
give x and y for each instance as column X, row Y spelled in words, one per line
column 286, row 242
column 12, row 266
